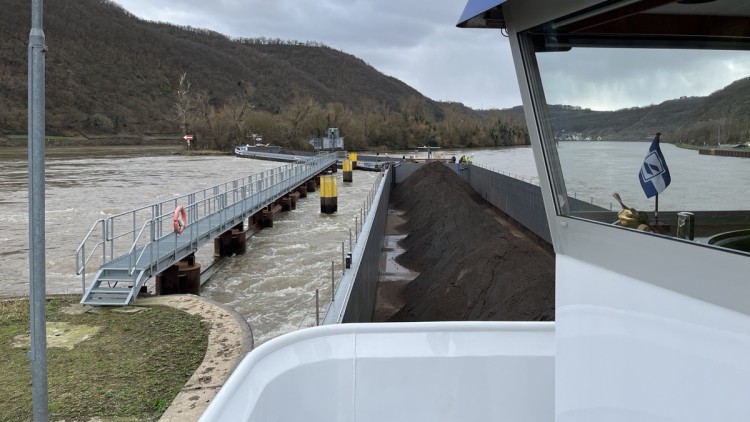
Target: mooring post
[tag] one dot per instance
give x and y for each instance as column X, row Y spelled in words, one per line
column 317, row 307
column 328, row 194
column 347, row 168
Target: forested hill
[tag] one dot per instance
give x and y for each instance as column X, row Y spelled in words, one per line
column 111, row 72
column 723, row 116
column 100, row 56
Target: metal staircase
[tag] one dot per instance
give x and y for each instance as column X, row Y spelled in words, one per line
column 152, row 244
column 113, row 286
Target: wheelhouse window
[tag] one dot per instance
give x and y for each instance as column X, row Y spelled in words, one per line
column 645, row 117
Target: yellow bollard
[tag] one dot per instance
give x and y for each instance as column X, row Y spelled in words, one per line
column 347, row 168
column 353, row 158
column 328, row 194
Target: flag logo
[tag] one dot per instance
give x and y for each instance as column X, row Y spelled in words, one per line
column 654, row 175
column 652, row 166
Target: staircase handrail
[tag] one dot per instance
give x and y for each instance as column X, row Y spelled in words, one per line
column 131, row 252
column 81, row 248
column 82, row 259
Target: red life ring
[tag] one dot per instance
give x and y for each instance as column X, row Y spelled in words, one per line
column 179, row 219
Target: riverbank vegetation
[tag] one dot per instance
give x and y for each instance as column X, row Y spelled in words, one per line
column 101, row 362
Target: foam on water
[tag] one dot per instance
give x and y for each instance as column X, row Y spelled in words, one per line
column 273, row 284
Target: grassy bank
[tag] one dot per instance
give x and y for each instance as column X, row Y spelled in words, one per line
column 133, row 367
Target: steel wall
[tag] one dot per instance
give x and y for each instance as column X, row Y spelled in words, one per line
column 520, row 200
column 403, row 170
column 355, row 296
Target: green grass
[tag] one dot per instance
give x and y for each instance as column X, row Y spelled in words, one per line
column 133, row 368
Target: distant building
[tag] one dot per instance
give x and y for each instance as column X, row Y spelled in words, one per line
column 257, row 139
column 332, row 141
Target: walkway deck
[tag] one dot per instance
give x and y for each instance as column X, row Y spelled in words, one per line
column 153, row 246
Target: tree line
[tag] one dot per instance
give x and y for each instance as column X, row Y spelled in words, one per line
column 373, row 125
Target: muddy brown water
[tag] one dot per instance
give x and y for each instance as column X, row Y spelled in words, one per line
column 272, row 285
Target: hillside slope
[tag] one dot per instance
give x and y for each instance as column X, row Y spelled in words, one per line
column 104, row 61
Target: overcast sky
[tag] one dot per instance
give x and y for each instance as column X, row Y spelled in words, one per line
column 417, row 42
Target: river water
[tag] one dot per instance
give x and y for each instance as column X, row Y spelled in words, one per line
column 273, row 284
column 593, row 171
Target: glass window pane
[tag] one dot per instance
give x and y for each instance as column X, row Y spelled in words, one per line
column 603, row 106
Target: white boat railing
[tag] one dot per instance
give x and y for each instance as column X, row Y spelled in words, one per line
column 435, row 371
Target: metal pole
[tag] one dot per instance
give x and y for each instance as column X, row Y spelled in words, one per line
column 37, row 283
column 350, row 238
column 83, row 272
column 333, row 287
column 343, row 259
column 317, row 307
column 152, row 228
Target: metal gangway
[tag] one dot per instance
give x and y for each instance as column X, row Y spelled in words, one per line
column 270, row 156
column 128, row 248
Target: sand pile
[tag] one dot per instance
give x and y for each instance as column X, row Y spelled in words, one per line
column 472, row 267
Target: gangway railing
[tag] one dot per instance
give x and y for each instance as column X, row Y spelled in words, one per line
column 271, row 156
column 132, row 246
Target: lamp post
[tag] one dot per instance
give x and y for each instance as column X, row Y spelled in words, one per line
column 37, row 284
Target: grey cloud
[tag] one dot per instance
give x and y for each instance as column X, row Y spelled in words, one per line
column 603, row 79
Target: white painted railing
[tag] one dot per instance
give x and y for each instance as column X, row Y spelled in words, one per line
column 446, row 371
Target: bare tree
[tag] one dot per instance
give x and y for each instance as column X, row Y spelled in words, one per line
column 184, row 103
column 295, row 115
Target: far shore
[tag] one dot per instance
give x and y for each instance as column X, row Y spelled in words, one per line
column 17, row 145
column 124, row 140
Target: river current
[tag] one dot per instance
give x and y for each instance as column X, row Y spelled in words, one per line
column 273, row 284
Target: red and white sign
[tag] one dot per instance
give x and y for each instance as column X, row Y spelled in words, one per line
column 188, row 138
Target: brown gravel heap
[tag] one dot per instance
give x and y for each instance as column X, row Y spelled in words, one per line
column 472, row 266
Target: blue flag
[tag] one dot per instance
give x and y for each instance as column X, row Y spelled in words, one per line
column 654, row 173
